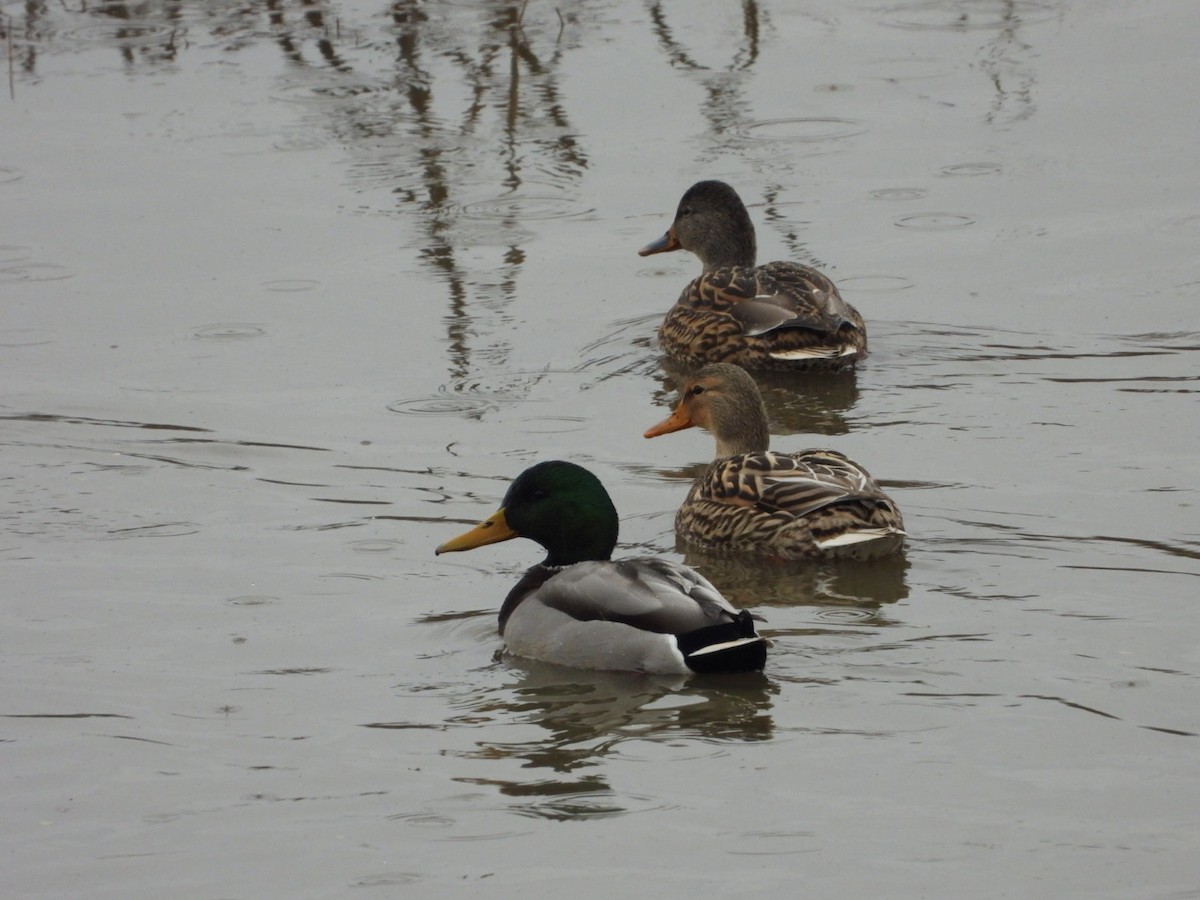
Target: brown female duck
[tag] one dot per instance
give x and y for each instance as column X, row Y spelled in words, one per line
column 808, row 505
column 780, row 315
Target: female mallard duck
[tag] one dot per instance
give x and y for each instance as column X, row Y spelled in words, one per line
column 580, row 608
column 807, row 505
column 779, row 315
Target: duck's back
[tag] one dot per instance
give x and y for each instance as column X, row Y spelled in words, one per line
column 780, row 315
column 810, row 504
column 622, row 615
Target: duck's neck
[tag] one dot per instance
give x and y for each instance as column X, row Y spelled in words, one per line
column 532, row 580
column 583, row 536
column 743, row 430
column 734, row 246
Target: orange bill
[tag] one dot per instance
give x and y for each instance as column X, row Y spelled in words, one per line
column 664, row 244
column 678, row 420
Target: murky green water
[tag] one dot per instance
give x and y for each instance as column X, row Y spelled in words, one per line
column 291, row 291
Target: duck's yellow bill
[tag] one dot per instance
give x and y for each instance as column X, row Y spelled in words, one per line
column 676, row 421
column 491, row 530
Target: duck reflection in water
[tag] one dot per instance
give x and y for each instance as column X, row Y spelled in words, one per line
column 758, row 582
column 592, row 717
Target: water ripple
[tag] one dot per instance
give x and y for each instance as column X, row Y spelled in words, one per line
column 529, row 207
column 875, row 283
column 801, row 129
column 166, row 529
column 936, row 221
column 228, row 332
column 290, row 285
column 26, row 337
column 967, row 15
column 124, row 33
column 442, row 405
column 423, row 820
column 252, row 600
column 553, row 424
column 899, row 194
column 327, row 93
column 909, row 69
column 594, row 804
column 973, row 169
column 373, row 546
column 1189, row 222
column 388, row 879
column 35, row 271
column 772, row 843
column 845, row 615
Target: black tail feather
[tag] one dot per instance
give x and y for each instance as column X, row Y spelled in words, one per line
column 730, row 647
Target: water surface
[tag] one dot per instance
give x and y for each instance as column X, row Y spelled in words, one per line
column 291, row 291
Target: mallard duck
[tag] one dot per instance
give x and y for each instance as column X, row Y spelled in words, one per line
column 807, row 505
column 580, row 608
column 780, row 315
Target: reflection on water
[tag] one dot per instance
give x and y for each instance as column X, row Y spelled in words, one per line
column 583, row 719
column 1005, row 57
column 797, row 404
column 753, row 583
column 448, row 105
column 487, row 83
column 1039, row 433
column 453, row 116
column 723, row 76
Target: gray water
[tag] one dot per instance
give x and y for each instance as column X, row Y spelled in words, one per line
column 289, row 292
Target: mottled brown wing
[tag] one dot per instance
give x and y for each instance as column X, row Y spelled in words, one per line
column 797, row 483
column 778, row 316
column 800, row 297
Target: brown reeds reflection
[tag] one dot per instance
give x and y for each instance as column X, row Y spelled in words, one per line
column 451, row 117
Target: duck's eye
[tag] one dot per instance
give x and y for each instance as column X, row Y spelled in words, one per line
column 685, row 211
column 697, row 390
column 539, row 494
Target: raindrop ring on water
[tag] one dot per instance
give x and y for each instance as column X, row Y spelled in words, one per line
column 124, row 33
column 290, row 285
column 875, row 283
column 228, row 332
column 975, row 168
column 935, row 221
column 528, row 208
column 34, row 271
column 899, row 194
column 441, row 405
column 844, row 614
column 802, row 130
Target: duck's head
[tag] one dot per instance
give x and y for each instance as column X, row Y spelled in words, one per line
column 711, row 222
column 724, row 400
column 560, row 505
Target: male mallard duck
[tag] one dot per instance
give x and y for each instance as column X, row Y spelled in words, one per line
column 807, row 505
column 780, row 315
column 580, row 608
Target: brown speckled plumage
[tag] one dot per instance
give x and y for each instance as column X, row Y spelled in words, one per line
column 807, row 505
column 780, row 315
